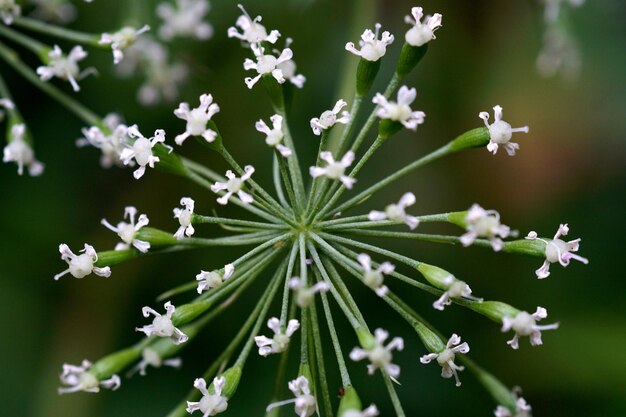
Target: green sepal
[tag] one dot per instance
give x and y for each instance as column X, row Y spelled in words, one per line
column 114, row 257
column 169, row 161
column 458, row 218
column 435, row 275
column 432, row 342
column 494, row 310
column 274, row 91
column 475, row 138
column 532, row 247
column 156, row 237
column 349, row 402
column 387, row 128
column 366, row 339
column 232, row 375
column 305, row 371
column 109, row 365
column 410, row 56
column 365, row 75
column 187, row 312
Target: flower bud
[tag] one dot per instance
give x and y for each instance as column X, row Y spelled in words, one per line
column 365, row 75
column 475, row 138
column 232, row 376
column 438, row 277
column 187, row 312
column 410, row 56
column 114, row 363
column 114, row 257
column 156, row 237
column 494, row 310
column 350, row 401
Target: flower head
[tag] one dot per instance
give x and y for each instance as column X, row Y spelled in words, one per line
column 209, row 404
column 111, row 140
column 184, row 217
column 557, row 250
column 78, row 378
column 396, row 212
column 20, row 152
column 374, row 278
column 150, row 357
column 289, row 68
column 81, row 265
column 335, row 170
column 252, row 31
column 485, row 223
column 64, row 67
column 379, row 355
column 186, row 19
column 421, row 32
column 500, row 132
column 522, row 409
column 280, row 341
column 525, row 324
column 141, row 150
column 121, row 40
column 329, row 118
column 9, row 10
column 305, row 295
column 456, row 289
column 266, row 64
column 400, row 111
column 372, row 48
column 197, row 119
column 207, row 280
column 128, row 231
column 233, row 186
column 445, row 358
column 274, row 137
column 162, row 326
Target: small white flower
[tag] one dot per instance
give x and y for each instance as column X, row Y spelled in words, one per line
column 252, row 31
column 371, row 411
column 7, row 104
column 207, row 280
column 396, row 212
column 445, row 358
column 9, row 10
column 553, row 8
column 455, row 289
column 372, row 49
column 329, row 118
column 152, row 358
column 197, row 119
column 128, row 231
column 559, row 54
column 81, row 265
column 525, row 324
column 335, row 170
column 19, row 151
column 380, row 356
column 557, row 250
column 78, row 378
column 184, row 217
column 304, row 401
column 57, row 11
column 500, row 132
column 111, row 141
column 421, row 33
column 141, row 150
column 233, row 186
column 400, row 111
column 121, row 40
column 305, row 295
column 274, row 137
column 144, row 53
column 162, row 326
column 209, row 404
column 485, row 223
column 374, row 278
column 64, row 67
column 162, row 82
column 522, row 409
column 266, row 64
column 185, row 19
column 280, row 341
column 289, row 68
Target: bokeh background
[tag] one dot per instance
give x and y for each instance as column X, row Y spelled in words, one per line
column 570, row 169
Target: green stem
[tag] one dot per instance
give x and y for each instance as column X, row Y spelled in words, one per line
column 294, row 164
column 287, row 290
column 29, row 43
column 277, row 182
column 60, row 32
column 343, row 369
column 363, row 222
column 395, row 400
column 319, row 355
column 424, row 237
column 199, row 219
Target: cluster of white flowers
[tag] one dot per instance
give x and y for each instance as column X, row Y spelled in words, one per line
column 184, row 20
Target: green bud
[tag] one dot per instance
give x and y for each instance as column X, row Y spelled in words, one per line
column 365, row 75
column 114, row 257
column 274, row 91
column 387, row 128
column 475, row 138
column 366, row 339
column 156, row 237
column 432, row 342
column 459, row 218
column 115, row 362
column 349, row 402
column 410, row 56
column 232, row 376
column 534, row 247
column 494, row 310
column 187, row 312
column 169, row 162
column 436, row 276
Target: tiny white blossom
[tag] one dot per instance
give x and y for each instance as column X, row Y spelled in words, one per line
column 280, row 341
column 445, row 358
column 304, row 401
column 553, row 8
column 371, row 411
column 305, row 295
column 186, row 19
column 396, row 212
column 163, row 80
column 289, row 68
column 557, row 250
column 500, row 132
column 485, row 223
column 162, row 326
column 372, row 49
column 111, row 140
column 207, row 280
column 121, row 40
column 525, row 324
column 78, row 378
column 455, row 289
column 145, row 53
column 184, row 217
column 150, row 357
column 329, row 118
column 374, row 278
column 252, row 31
column 19, row 151
column 400, row 111
column 7, row 104
column 209, row 404
column 9, row 10
column 421, row 32
column 266, row 64
column 141, row 150
column 81, row 265
column 64, row 67
column 197, row 119
column 233, row 186
column 522, row 409
column 58, row 11
column 274, row 136
column 335, row 170
column 559, row 54
column 380, row 356
column 128, row 231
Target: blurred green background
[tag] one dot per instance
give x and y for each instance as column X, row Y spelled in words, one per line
column 570, row 169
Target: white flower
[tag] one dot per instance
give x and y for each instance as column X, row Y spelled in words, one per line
column 372, row 49
column 58, row 11
column 559, row 54
column 335, row 169
column 304, row 401
column 207, row 280
column 485, row 223
column 233, row 186
column 185, row 19
column 305, row 295
column 128, row 231
column 329, row 118
column 280, row 341
column 144, row 53
column 421, row 33
column 184, row 217
column 396, row 212
column 121, row 40
column 152, row 358
column 274, row 137
column 522, row 409
column 78, row 378
column 500, row 132
column 266, row 64
column 141, row 150
column 445, row 358
column 111, row 141
column 400, row 111
column 64, row 67
column 9, row 10
column 209, row 404
column 7, row 104
column 553, row 8
column 373, row 278
column 557, row 250
column 371, row 411
column 162, row 82
column 19, row 151
column 252, row 31
column 456, row 289
column 162, row 326
column 525, row 324
column 197, row 119
column 289, row 68
column 380, row 356
column 81, row 265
